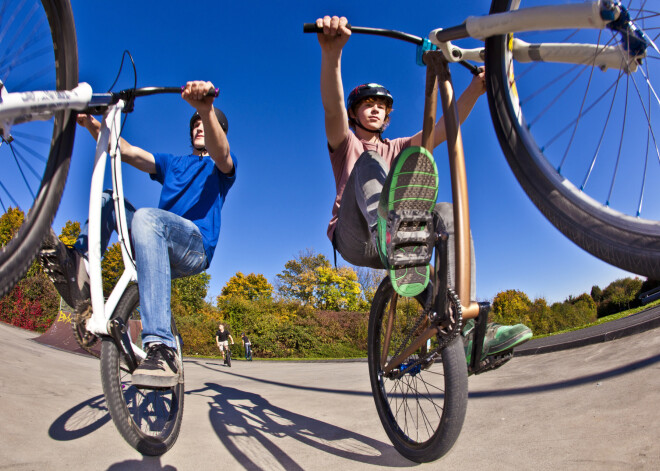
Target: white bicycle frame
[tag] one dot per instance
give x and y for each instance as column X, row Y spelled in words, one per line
column 542, row 18
column 107, row 144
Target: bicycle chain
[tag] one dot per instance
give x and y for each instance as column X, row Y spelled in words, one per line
column 447, row 334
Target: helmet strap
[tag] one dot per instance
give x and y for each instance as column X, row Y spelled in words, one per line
column 378, row 131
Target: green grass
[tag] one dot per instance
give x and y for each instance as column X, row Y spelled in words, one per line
column 602, row 320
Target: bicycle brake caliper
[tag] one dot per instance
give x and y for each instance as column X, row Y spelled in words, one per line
column 633, row 40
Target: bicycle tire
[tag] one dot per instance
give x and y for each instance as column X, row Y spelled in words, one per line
column 40, row 207
column 423, row 411
column 228, row 357
column 148, row 419
column 576, row 181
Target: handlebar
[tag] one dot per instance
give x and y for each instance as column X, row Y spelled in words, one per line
column 100, row 101
column 389, row 33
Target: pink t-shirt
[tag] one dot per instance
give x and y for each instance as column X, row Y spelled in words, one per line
column 344, row 157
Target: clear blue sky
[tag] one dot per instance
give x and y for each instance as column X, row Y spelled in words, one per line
column 268, row 75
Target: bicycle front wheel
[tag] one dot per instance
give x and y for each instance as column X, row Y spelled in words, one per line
column 423, row 409
column 148, row 419
column 583, row 139
column 39, row 52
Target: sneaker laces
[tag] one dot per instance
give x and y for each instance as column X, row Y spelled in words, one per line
column 166, row 354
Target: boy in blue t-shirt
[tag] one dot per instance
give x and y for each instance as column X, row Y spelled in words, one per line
column 176, row 239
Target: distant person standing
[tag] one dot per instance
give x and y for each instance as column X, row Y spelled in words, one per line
column 222, row 337
column 247, row 345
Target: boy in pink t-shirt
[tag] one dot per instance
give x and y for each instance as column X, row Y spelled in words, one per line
column 373, row 175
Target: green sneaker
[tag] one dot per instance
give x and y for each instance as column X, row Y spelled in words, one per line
column 405, row 220
column 499, row 338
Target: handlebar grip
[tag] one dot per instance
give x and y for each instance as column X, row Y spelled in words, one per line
column 214, row 93
column 312, row 28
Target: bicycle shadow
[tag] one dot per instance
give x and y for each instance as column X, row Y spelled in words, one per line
column 249, row 426
column 148, row 463
column 81, row 420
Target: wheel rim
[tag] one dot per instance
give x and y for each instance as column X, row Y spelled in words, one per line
column 32, row 177
column 594, row 128
column 414, row 403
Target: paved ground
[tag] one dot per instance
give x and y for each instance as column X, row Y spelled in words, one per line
column 594, row 407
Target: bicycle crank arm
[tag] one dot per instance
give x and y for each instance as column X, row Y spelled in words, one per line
column 119, row 333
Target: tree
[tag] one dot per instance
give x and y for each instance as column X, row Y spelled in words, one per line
column 10, row 223
column 112, row 267
column 191, row 291
column 336, row 289
column 70, row 233
column 511, row 307
column 596, row 293
column 251, row 287
column 622, row 293
column 311, row 280
column 369, row 279
column 295, row 281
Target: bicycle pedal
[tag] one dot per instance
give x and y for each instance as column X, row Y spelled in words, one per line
column 410, row 227
column 492, row 362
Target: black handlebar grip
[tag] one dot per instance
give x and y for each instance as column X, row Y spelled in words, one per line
column 311, row 28
column 214, row 93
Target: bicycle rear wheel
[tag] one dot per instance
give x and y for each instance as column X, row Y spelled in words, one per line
column 148, row 419
column 423, row 410
column 39, row 52
column 583, row 141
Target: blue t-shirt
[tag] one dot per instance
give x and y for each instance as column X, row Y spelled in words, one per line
column 195, row 189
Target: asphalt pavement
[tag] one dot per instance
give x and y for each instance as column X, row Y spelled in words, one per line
column 589, row 404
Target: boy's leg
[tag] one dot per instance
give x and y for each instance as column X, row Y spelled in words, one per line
column 166, row 246
column 355, row 233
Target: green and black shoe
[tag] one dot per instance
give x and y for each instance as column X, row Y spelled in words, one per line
column 499, row 338
column 405, row 220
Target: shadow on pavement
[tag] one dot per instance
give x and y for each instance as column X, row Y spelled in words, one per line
column 80, row 420
column 571, row 383
column 250, row 428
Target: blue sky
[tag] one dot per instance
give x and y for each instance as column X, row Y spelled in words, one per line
column 267, row 71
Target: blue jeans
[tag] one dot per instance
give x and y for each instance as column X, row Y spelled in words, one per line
column 166, row 246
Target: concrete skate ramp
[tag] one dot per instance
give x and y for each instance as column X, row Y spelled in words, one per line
column 588, row 408
column 60, row 335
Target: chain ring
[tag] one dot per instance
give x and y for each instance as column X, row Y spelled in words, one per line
column 85, row 339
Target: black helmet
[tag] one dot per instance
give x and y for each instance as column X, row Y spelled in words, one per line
column 222, row 119
column 366, row 90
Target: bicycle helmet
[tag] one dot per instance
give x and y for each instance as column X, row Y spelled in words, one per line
column 222, row 119
column 366, row 90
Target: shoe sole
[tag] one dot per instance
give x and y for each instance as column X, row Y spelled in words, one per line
column 414, row 186
column 154, row 382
